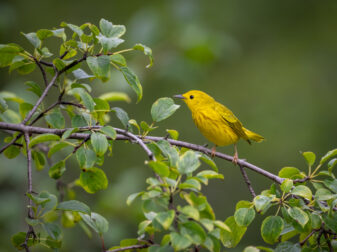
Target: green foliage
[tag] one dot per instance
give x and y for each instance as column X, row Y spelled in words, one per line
column 176, row 214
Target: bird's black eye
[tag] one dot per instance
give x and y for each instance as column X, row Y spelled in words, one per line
column 191, row 96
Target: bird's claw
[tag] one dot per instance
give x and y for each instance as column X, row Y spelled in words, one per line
column 235, row 159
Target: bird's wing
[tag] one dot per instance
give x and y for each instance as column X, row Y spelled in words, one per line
column 231, row 120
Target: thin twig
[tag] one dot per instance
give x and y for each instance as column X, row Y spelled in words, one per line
column 42, row 71
column 243, row 163
column 307, row 238
column 39, row 101
column 30, row 232
column 246, row 179
column 130, row 247
column 328, row 241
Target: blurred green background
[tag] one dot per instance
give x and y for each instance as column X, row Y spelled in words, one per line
column 274, row 63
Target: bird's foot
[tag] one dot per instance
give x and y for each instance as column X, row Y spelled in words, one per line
column 235, row 159
column 213, row 151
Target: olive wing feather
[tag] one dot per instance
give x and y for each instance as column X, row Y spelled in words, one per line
column 231, row 120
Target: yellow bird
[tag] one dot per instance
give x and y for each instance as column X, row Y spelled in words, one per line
column 216, row 122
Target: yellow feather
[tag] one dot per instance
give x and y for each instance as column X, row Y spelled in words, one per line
column 215, row 121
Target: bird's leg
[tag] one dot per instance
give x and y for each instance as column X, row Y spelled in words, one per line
column 236, row 155
column 213, row 151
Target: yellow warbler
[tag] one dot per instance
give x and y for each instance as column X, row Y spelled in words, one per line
column 216, row 122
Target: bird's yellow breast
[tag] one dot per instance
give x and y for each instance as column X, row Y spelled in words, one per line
column 213, row 127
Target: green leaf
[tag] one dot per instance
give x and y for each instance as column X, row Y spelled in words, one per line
column 160, row 168
column 39, row 159
column 302, row 191
column 288, row 247
column 7, row 54
column 86, row 99
column 68, row 132
column 169, row 151
column 74, row 28
column 110, row 30
column 310, row 157
column 231, row 239
column 190, row 212
column 19, row 238
column 207, row 160
column 115, row 96
column 48, row 205
column 57, row 147
column 109, row 43
column 222, row 225
column 33, row 39
column 133, row 81
column 12, row 152
column 191, row 184
column 53, row 230
column 100, row 66
column 99, row 143
column 44, row 33
column 43, row 138
column 286, row 185
column 163, row 108
column 262, row 202
column 55, row 119
column 132, row 197
column 331, row 184
column 209, row 174
column 330, row 221
column 165, row 218
column 188, row 162
column 78, row 121
column 243, row 204
column 251, row 249
column 298, row 215
column 97, row 222
column 59, row 64
column 73, row 205
column 37, row 199
column 332, row 163
column 3, row 105
column 193, row 231
column 244, row 216
column 271, row 229
column 57, row 170
column 173, row 133
column 122, row 116
column 33, row 87
column 327, row 156
column 118, row 59
column 109, row 131
column 316, row 221
column 324, row 194
column 146, row 50
column 86, row 158
column 290, row 172
column 80, row 74
column 179, row 242
column 60, row 34
column 24, row 108
column 93, row 180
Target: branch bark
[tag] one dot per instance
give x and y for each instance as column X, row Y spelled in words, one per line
column 241, row 162
column 248, row 183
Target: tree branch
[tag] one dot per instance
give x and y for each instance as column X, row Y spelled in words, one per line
column 37, row 104
column 39, row 130
column 246, row 179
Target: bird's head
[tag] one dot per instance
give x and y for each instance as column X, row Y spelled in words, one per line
column 195, row 99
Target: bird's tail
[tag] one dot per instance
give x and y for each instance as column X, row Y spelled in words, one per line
column 253, row 136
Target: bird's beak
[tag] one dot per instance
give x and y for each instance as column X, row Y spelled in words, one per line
column 179, row 96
